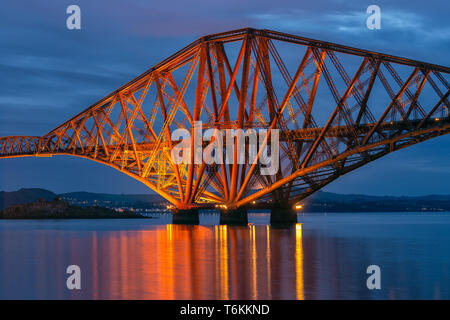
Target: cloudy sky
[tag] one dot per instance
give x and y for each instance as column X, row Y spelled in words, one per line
column 49, row 73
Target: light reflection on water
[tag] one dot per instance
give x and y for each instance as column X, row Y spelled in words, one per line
column 324, row 257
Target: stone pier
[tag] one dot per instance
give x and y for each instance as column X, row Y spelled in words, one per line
column 283, row 214
column 185, row 216
column 234, row 216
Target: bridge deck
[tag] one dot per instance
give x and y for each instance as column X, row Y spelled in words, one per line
column 309, row 134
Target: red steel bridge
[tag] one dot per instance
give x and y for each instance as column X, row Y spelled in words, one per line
column 336, row 109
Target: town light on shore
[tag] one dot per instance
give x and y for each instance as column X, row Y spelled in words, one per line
column 298, row 206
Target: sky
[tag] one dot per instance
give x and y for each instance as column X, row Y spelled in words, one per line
column 49, row 73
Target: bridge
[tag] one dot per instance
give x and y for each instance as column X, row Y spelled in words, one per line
column 337, row 108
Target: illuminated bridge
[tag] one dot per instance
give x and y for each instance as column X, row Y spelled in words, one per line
column 336, row 109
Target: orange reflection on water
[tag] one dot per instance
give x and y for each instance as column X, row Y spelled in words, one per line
column 299, row 261
column 223, row 262
column 194, row 262
column 269, row 293
column 253, row 261
column 131, row 259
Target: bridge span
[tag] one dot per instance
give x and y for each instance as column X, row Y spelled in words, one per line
column 335, row 107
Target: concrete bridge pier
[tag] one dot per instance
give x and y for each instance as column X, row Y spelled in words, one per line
column 282, row 214
column 234, row 216
column 185, row 216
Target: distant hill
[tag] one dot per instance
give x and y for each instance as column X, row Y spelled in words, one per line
column 337, row 197
column 24, row 196
column 319, row 202
column 114, row 200
column 107, row 196
column 332, row 202
column 57, row 209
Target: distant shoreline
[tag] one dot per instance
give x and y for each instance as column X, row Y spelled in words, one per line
column 140, row 205
column 61, row 210
column 76, row 218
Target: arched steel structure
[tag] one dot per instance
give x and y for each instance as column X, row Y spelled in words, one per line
column 337, row 108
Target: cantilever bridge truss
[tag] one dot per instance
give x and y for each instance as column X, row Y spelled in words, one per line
column 336, row 108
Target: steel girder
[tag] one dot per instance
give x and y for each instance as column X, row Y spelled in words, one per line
column 337, row 108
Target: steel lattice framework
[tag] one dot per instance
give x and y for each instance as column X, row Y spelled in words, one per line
column 337, row 108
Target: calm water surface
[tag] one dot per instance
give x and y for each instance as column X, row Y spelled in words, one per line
column 322, row 257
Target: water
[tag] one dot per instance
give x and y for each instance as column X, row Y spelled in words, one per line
column 322, row 257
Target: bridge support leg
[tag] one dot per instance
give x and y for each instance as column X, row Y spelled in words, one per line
column 282, row 214
column 234, row 216
column 187, row 216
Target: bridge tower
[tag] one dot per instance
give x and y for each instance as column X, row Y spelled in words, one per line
column 326, row 109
